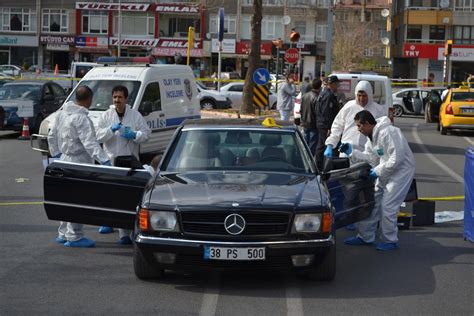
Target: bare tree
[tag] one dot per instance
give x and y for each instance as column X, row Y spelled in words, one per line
column 254, row 57
column 350, row 42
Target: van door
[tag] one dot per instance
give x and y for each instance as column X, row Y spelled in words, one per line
column 352, row 193
column 93, row 194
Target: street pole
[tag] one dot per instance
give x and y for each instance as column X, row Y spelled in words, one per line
column 278, row 62
column 219, row 61
column 119, row 29
column 328, row 61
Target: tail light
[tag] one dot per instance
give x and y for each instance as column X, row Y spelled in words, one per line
column 449, row 109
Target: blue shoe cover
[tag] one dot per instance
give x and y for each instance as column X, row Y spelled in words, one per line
column 105, row 230
column 125, row 240
column 81, row 243
column 387, row 246
column 351, row 227
column 356, row 241
column 60, row 240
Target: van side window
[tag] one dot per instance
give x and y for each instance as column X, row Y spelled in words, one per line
column 151, row 101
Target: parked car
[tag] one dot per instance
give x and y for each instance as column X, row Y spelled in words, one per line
column 457, row 111
column 234, row 91
column 5, row 79
column 228, row 194
column 10, row 70
column 412, row 100
column 212, row 99
column 44, row 96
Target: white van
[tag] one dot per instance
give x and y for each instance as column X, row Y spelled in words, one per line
column 165, row 95
column 381, row 86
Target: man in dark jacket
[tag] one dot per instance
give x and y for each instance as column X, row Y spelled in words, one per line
column 326, row 111
column 308, row 114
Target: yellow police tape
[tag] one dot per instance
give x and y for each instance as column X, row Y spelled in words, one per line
column 443, row 198
column 20, row 203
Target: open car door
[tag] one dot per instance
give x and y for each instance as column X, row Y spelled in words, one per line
column 351, row 190
column 93, row 194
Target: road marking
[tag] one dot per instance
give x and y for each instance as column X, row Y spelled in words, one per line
column 209, row 300
column 414, row 131
column 469, row 140
column 20, row 203
column 294, row 303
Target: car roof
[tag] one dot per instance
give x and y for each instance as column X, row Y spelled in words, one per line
column 251, row 123
column 22, row 82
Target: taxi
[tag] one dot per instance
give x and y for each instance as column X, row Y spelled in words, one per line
column 457, row 111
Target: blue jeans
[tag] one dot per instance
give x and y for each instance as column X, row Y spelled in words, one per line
column 285, row 115
column 311, row 137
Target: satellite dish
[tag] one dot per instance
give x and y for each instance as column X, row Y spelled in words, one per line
column 444, row 4
column 286, row 20
column 385, row 40
column 385, row 13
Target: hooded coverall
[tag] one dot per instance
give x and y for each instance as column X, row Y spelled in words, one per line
column 114, row 144
column 344, row 124
column 73, row 136
column 393, row 162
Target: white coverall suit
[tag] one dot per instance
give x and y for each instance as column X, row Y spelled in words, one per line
column 73, row 136
column 114, row 144
column 344, row 124
column 393, row 161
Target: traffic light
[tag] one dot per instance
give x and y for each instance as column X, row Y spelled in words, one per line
column 294, row 36
column 448, row 48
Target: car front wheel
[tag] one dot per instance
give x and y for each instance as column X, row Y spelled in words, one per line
column 443, row 130
column 145, row 265
column 207, row 105
column 397, row 110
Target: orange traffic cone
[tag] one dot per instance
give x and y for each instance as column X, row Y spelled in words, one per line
column 25, row 134
column 56, row 70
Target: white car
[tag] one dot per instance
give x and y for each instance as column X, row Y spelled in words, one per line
column 212, row 99
column 234, row 91
column 10, row 70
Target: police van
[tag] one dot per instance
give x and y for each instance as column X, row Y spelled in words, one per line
column 165, row 95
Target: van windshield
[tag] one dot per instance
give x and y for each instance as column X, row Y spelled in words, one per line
column 102, row 90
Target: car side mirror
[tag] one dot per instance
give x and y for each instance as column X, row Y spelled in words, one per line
column 334, row 163
column 147, row 108
column 48, row 97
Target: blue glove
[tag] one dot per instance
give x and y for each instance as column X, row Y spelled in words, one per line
column 346, row 148
column 328, row 151
column 129, row 134
column 106, row 163
column 57, row 156
column 115, row 127
column 372, row 174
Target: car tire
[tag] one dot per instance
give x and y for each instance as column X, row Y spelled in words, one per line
column 397, row 110
column 428, row 116
column 144, row 265
column 325, row 270
column 443, row 130
column 208, row 104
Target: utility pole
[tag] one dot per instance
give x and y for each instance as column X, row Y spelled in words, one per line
column 119, row 28
column 328, row 61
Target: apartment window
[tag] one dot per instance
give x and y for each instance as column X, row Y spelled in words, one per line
column 55, row 20
column 178, row 27
column 414, row 33
column 321, row 32
column 464, row 5
column 299, row 3
column 415, row 3
column 464, row 34
column 268, row 3
column 300, row 27
column 370, row 34
column 369, row 52
column 95, row 22
column 323, row 3
column 230, row 23
column 272, row 27
column 137, row 24
column 437, row 33
column 17, row 20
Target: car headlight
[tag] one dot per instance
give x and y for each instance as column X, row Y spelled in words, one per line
column 158, row 220
column 307, row 223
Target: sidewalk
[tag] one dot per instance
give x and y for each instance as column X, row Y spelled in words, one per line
column 7, row 134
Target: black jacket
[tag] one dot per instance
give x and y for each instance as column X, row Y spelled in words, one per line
column 327, row 109
column 308, row 109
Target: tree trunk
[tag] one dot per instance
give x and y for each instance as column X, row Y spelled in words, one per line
column 254, row 58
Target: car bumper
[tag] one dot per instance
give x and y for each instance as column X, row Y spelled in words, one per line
column 458, row 122
column 278, row 254
column 223, row 104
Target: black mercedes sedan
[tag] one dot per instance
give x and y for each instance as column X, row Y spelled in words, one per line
column 228, row 194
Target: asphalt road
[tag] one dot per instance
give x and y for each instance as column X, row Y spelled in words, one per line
column 431, row 274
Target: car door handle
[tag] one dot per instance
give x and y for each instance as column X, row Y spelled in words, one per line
column 58, row 172
column 161, row 115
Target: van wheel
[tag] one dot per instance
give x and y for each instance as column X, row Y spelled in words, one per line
column 397, row 110
column 207, row 105
column 144, row 265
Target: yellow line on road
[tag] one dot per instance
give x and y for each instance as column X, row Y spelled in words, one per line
column 443, row 198
column 20, row 203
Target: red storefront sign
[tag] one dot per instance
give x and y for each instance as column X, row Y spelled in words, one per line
column 169, row 47
column 243, row 48
column 429, row 51
column 177, row 8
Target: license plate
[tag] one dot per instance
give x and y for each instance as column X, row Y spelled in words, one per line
column 467, row 110
column 231, row 253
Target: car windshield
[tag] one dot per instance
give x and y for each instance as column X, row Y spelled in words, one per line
column 102, row 89
column 238, row 149
column 20, row 92
column 463, row 96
